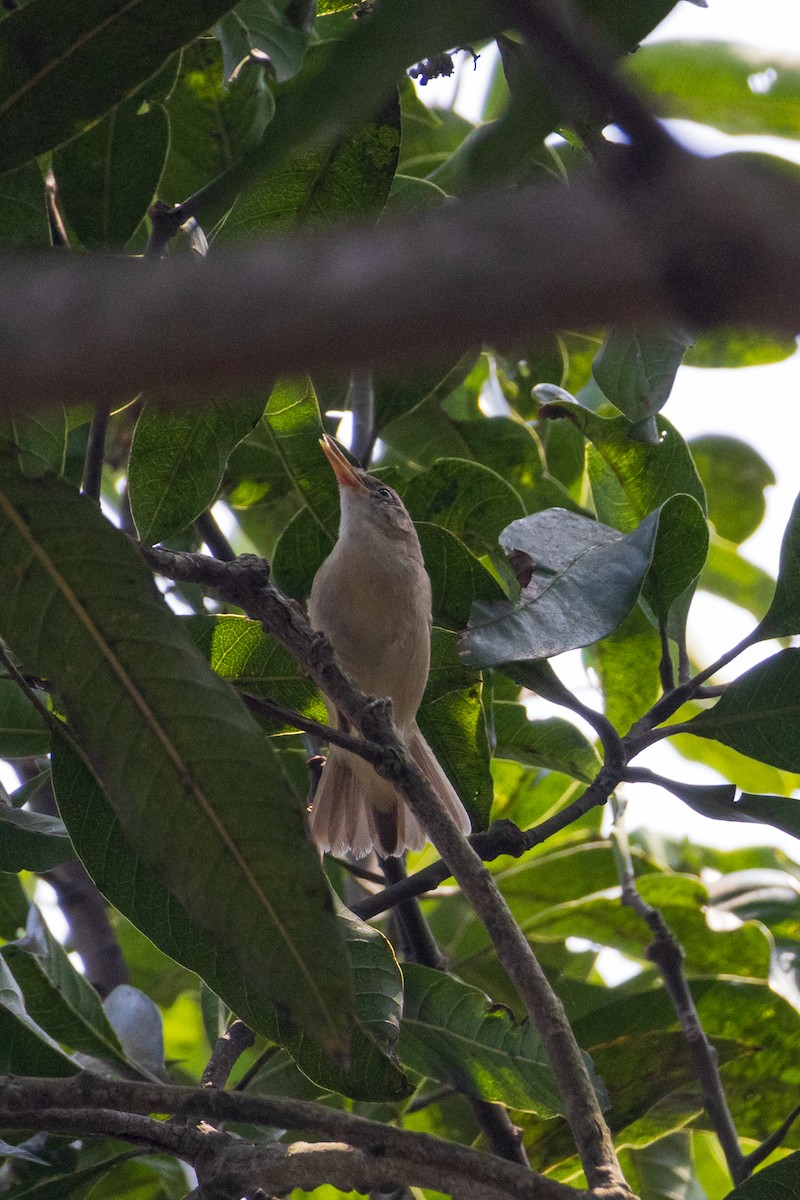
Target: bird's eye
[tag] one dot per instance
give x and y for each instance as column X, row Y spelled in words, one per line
column 384, row 493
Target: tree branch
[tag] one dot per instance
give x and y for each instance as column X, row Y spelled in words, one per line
column 708, row 241
column 366, row 1154
column 246, row 583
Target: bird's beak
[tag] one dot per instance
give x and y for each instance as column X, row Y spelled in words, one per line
column 346, row 474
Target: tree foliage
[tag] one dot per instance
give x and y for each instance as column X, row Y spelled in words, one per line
column 161, row 740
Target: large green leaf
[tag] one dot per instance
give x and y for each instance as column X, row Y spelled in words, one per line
column 782, row 1179
column 177, row 460
column 736, row 88
column 629, row 479
column 451, row 1033
column 734, row 475
column 627, row 664
column 23, row 208
column 25, row 1048
column 57, row 996
column 293, row 422
column 400, row 393
column 679, row 554
column 299, row 553
column 211, row 123
column 134, row 888
column 23, row 731
column 451, row 718
column 465, row 497
column 13, row 905
column 63, row 67
column 108, row 176
column 554, row 744
column 636, row 370
column 31, row 841
column 457, row 576
column 732, row 577
column 352, row 178
column 129, row 677
column 722, row 804
column 739, row 347
column 40, row 439
column 585, row 580
column 783, row 616
column 239, row 650
column 759, row 713
column 264, row 26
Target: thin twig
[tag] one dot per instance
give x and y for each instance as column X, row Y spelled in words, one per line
column 667, row 954
column 95, row 451
column 361, row 402
column 214, row 538
column 227, row 1050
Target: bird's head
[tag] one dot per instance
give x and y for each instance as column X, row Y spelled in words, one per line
column 367, row 504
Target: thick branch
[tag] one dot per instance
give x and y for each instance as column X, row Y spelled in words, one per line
column 708, row 241
column 370, row 1154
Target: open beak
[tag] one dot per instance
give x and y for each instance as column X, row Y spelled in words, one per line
column 346, row 474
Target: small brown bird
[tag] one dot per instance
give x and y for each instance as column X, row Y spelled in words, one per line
column 372, row 599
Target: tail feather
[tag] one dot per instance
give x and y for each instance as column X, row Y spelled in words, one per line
column 431, row 768
column 354, row 810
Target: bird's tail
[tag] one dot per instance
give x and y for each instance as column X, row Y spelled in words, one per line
column 354, row 809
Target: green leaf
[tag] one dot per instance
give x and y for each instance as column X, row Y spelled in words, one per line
column 457, row 577
column 738, row 347
column 665, row 1169
column 745, row 772
column 679, row 554
column 585, row 580
column 627, row 664
column 263, row 26
column 251, row 878
column 722, row 804
column 31, row 841
column 177, row 460
column 465, row 497
column 349, row 81
column 299, row 553
column 399, row 393
column 451, row 719
column 13, row 905
column 352, row 178
column 735, row 88
column 782, row 1180
column 63, row 67
column 759, row 713
column 108, row 176
column 25, row 1048
column 137, row 1022
column 57, row 996
column 239, row 650
column 636, row 370
column 554, row 744
column 728, row 575
column 41, row 440
column 783, row 616
column 294, row 424
column 136, row 890
column 212, row 124
column 23, row 208
column 23, row 731
column 734, row 475
column 451, row 1033
column 629, row 479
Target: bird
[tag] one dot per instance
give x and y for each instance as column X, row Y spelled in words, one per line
column 371, row 598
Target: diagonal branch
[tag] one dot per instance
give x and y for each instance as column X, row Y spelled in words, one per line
column 709, row 241
column 246, row 583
